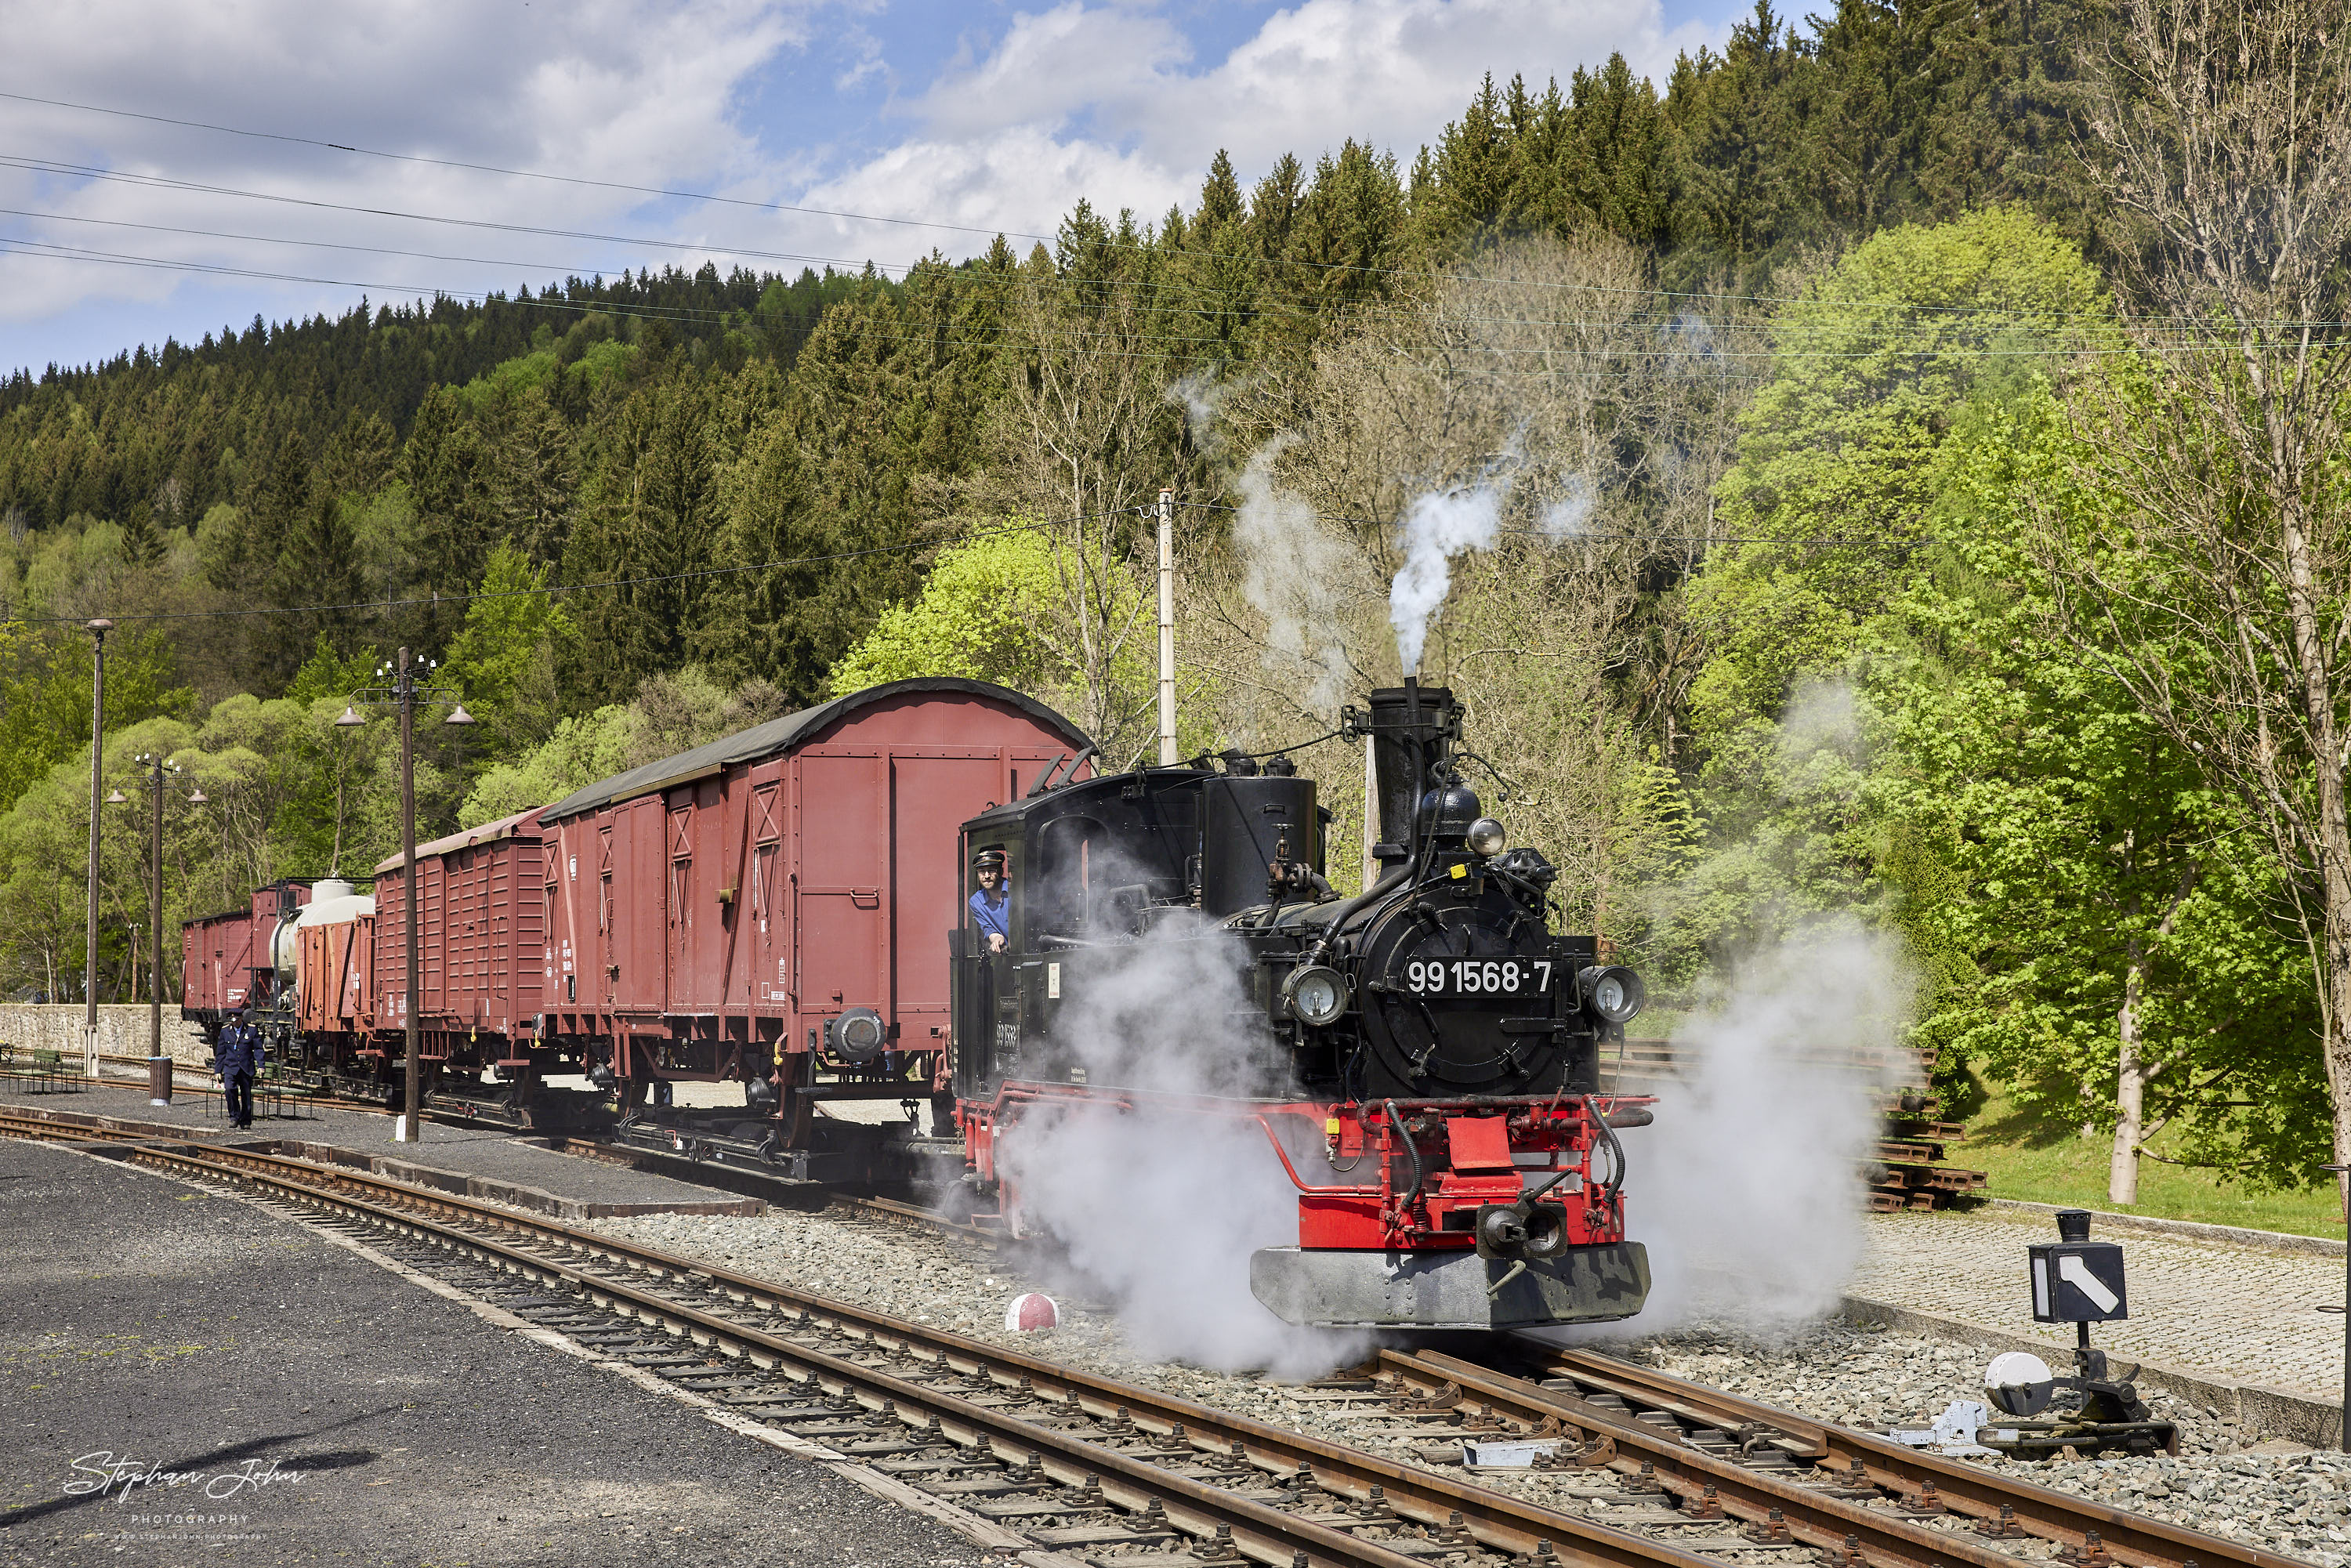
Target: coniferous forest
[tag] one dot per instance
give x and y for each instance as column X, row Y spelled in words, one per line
column 1885, row 481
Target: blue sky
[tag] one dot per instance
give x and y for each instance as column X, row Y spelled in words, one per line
column 974, row 116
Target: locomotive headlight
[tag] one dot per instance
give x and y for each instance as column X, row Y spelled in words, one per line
column 1614, row 993
column 1315, row 995
column 1487, row 836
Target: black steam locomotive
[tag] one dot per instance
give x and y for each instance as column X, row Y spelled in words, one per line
column 1423, row 1057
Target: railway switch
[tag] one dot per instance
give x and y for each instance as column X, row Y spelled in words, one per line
column 2079, row 1281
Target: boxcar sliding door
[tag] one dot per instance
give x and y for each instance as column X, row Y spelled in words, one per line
column 844, row 805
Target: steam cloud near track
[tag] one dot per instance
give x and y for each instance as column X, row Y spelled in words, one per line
column 1158, row 1209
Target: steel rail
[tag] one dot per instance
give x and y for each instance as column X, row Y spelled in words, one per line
column 1494, row 1520
column 1857, row 1457
column 1262, row 1532
column 1896, row 1468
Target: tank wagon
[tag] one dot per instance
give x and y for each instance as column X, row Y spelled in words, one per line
column 227, row 961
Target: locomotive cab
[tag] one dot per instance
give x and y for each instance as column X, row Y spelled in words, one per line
column 1423, row 1057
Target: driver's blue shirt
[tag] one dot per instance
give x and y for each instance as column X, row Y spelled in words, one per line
column 993, row 915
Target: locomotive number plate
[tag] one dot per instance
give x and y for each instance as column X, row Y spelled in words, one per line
column 1478, row 976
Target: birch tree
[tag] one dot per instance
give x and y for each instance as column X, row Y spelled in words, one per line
column 2212, row 577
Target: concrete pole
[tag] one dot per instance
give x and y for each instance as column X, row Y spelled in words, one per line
column 155, row 921
column 1166, row 628
column 98, row 631
column 404, row 687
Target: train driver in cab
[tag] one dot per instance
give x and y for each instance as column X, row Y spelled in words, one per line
column 991, row 907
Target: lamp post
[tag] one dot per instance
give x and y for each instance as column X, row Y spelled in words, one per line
column 98, row 631
column 155, row 765
column 405, row 688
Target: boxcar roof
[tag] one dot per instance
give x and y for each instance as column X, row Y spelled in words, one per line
column 778, row 735
column 487, row 833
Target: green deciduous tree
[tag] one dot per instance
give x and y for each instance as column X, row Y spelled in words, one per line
column 2127, row 962
column 985, row 613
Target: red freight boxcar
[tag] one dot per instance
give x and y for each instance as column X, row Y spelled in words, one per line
column 481, row 930
column 227, row 961
column 782, row 898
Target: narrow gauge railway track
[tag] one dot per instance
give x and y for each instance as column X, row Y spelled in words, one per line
column 1712, row 1421
column 1059, row 1460
column 1856, row 1496
column 1646, row 1439
column 1677, row 1475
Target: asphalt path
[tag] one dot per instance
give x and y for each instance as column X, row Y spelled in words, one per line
column 186, row 1378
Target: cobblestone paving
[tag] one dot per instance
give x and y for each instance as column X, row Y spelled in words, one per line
column 2238, row 1311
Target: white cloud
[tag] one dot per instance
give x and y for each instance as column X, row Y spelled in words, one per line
column 1100, row 101
column 631, row 91
column 1110, row 101
column 1391, row 72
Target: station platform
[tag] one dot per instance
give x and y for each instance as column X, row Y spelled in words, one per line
column 187, row 1378
column 490, row 1162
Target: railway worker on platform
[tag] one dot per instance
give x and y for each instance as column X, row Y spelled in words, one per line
column 238, row 1062
column 991, row 907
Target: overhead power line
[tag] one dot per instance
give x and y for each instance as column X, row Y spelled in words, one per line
column 674, row 193
column 663, row 190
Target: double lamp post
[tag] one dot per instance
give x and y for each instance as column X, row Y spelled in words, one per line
column 405, row 685
column 407, row 679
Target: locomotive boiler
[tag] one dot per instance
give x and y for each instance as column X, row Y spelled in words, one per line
column 1421, row 1058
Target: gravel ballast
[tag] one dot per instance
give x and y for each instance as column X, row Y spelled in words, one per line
column 2273, row 1495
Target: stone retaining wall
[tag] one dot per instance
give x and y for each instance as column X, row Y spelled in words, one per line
column 122, row 1031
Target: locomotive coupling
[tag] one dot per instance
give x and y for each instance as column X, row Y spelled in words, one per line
column 1520, row 1230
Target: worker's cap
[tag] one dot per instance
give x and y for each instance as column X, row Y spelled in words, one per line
column 988, row 859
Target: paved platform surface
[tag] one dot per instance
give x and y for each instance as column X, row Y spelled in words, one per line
column 166, row 1329
column 2242, row 1312
column 496, row 1154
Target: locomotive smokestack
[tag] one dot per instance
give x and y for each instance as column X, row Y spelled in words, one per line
column 1413, row 729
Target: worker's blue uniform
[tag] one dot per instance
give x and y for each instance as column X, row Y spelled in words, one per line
column 994, row 917
column 238, row 1059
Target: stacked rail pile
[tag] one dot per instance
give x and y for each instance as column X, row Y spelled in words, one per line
column 1911, row 1169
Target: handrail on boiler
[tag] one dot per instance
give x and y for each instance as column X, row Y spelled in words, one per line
column 1295, row 1179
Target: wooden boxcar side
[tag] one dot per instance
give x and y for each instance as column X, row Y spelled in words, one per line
column 711, row 912
column 334, row 988
column 481, row 915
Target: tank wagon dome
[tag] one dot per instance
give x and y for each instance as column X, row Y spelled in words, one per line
column 790, row 733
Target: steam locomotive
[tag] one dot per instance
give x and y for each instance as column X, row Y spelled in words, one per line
column 1422, row 1058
